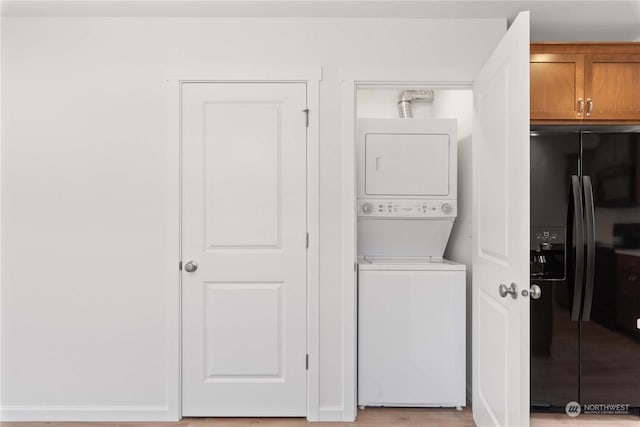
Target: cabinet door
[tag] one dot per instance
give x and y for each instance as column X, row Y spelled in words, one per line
column 557, row 85
column 612, row 86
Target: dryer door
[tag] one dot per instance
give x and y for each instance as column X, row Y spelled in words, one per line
column 407, row 164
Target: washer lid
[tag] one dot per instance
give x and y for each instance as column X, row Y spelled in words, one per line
column 408, row 263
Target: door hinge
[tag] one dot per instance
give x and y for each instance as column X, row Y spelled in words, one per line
column 180, row 266
column 307, row 362
column 306, row 112
column 307, row 240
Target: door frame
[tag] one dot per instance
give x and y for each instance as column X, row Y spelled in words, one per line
column 311, row 76
column 433, row 77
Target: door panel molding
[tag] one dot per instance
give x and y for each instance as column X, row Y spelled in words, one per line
column 311, row 76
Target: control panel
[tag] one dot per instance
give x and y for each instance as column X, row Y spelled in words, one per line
column 407, row 208
column 540, row 235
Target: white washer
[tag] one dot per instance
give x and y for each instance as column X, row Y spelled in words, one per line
column 411, row 332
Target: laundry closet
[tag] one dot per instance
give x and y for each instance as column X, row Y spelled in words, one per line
column 411, row 273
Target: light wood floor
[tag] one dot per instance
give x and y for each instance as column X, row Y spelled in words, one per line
column 370, row 417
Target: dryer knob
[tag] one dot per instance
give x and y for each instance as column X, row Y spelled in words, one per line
column 447, row 208
column 367, row 208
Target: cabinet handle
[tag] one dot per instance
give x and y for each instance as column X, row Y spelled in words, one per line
column 580, row 106
column 589, row 106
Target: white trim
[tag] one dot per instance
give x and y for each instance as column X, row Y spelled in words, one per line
column 313, row 252
column 349, row 334
column 173, row 251
column 1, row 222
column 439, row 76
column 311, row 76
column 331, row 413
column 351, row 78
column 89, row 413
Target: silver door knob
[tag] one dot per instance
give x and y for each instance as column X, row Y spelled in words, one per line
column 536, row 292
column 505, row 290
column 191, row 266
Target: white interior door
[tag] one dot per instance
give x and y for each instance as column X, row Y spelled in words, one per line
column 501, row 233
column 244, row 224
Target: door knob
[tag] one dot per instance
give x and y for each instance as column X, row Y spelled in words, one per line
column 536, row 292
column 191, row 266
column 505, row 290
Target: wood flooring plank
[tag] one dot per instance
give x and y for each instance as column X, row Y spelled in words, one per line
column 369, row 417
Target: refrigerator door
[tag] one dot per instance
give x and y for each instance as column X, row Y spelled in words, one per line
column 610, row 347
column 554, row 336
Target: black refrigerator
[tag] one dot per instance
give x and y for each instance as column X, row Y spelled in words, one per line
column 585, row 257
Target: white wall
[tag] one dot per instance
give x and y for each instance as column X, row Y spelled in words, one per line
column 84, row 220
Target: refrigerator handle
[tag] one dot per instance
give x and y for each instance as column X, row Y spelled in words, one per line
column 590, row 227
column 575, row 217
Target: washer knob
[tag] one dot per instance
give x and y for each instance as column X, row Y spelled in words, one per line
column 447, row 208
column 367, row 208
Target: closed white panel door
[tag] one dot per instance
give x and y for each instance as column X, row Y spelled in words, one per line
column 244, row 225
column 407, row 164
column 501, row 233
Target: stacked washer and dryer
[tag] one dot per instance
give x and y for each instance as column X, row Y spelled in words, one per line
column 411, row 301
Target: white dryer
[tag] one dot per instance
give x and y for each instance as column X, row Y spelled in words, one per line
column 407, row 186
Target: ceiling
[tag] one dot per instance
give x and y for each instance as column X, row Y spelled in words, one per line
column 565, row 20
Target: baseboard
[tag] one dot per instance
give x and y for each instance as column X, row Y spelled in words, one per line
column 87, row 413
column 331, row 413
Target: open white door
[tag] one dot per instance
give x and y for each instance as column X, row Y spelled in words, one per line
column 501, row 233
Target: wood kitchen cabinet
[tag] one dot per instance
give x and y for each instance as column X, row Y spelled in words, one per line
column 598, row 83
